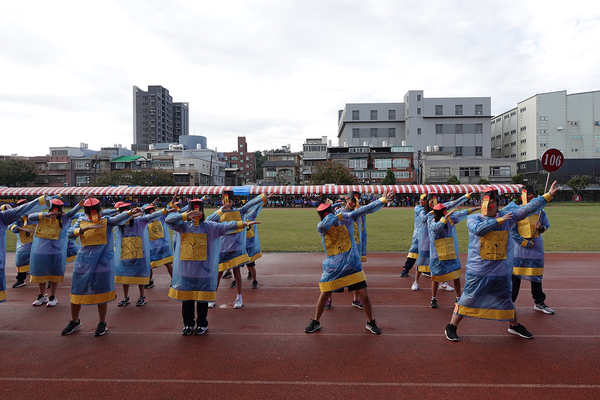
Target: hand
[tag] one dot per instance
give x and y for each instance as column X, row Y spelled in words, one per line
column 507, row 216
column 269, row 195
column 53, row 214
column 31, row 231
column 171, row 210
column 136, row 210
column 175, row 196
column 553, row 189
column 156, row 200
column 250, row 223
column 450, row 212
column 88, row 196
column 389, row 195
column 538, row 225
column 227, row 207
column 194, row 214
column 89, row 227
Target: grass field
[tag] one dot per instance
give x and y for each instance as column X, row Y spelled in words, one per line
column 572, row 228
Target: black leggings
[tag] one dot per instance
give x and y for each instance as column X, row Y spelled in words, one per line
column 187, row 311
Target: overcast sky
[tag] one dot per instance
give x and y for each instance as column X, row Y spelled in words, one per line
column 276, row 72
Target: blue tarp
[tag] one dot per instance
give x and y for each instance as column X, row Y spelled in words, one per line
column 241, row 190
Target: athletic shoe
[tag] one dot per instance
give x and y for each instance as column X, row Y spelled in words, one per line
column 520, row 330
column 211, row 304
column 227, row 274
column 313, row 327
column 328, row 305
column 427, row 274
column 357, row 304
column 140, row 301
column 71, row 327
column 254, row 284
column 433, row 303
column 124, row 302
column 200, row 330
column 52, row 301
column 446, row 287
column 249, row 275
column 372, row 326
column 18, row 284
column 41, row 299
column 150, row 285
column 187, row 331
column 238, row 303
column 451, row 333
column 404, row 273
column 543, row 308
column 101, row 329
column 233, row 285
column 414, row 287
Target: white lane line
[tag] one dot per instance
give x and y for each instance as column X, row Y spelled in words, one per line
column 306, row 383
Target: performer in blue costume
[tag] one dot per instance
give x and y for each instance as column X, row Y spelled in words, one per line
column 196, row 264
column 49, row 250
column 24, row 229
column 413, row 252
column 342, row 267
column 8, row 216
column 488, row 281
column 93, row 273
column 253, row 244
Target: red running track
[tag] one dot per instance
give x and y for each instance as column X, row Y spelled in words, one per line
column 261, row 350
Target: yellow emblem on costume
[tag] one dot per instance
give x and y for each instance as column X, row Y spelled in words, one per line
column 249, row 232
column 445, row 248
column 132, row 248
column 93, row 237
column 337, row 240
column 193, row 247
column 493, row 245
column 155, row 230
column 48, row 228
column 26, row 237
column 356, row 233
column 232, row 216
column 526, row 227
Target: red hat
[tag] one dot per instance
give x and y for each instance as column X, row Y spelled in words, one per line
column 22, row 201
column 57, row 202
column 91, row 202
column 439, row 206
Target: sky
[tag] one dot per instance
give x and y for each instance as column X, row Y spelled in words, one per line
column 276, row 72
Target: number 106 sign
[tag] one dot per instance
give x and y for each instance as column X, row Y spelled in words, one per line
column 552, row 160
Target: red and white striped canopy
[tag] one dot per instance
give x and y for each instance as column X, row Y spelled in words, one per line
column 254, row 190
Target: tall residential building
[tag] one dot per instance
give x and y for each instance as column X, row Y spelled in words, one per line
column 156, row 119
column 567, row 122
column 456, row 124
column 314, row 153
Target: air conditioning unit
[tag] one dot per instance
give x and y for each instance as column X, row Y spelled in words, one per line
column 559, row 128
column 46, row 181
column 87, row 165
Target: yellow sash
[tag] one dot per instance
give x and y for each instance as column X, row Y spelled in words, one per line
column 26, row 237
column 155, row 230
column 337, row 240
column 445, row 248
column 526, row 227
column 232, row 216
column 250, row 232
column 193, row 247
column 48, row 228
column 493, row 245
column 93, row 237
column 356, row 233
column 132, row 248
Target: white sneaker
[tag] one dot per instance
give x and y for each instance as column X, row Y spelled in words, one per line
column 238, row 303
column 52, row 303
column 42, row 299
column 211, row 304
column 446, row 287
column 415, row 286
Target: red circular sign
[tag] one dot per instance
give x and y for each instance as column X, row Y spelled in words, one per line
column 576, row 198
column 552, row 160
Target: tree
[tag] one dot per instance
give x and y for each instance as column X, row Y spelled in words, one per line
column 17, row 172
column 390, row 178
column 453, row 180
column 333, row 172
column 578, row 183
column 518, row 179
column 260, row 158
column 483, row 181
column 153, row 177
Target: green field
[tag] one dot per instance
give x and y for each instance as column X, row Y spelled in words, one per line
column 572, row 228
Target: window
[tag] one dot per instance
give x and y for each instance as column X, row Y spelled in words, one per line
column 241, row 153
column 355, row 115
column 478, row 150
column 82, row 180
column 391, row 114
column 576, row 136
column 478, row 109
column 234, row 158
column 507, row 144
column 524, row 153
column 439, row 172
column 418, row 97
column 513, row 143
column 232, row 165
column 523, row 128
column 458, row 128
column 357, row 163
column 355, row 133
column 241, row 146
column 500, row 171
column 392, row 132
column 377, row 175
column 271, row 174
column 418, row 131
column 574, row 150
column 523, row 109
column 373, row 115
column 439, row 110
column 418, row 111
column 478, row 128
column 247, row 158
column 401, row 163
column 513, row 113
column 383, row 163
column 543, row 118
column 374, row 132
column 458, row 109
column 523, row 141
column 543, row 131
column 543, row 145
column 470, row 171
column 402, row 174
column 574, row 123
column 458, row 151
column 439, row 128
column 506, row 133
column 80, row 165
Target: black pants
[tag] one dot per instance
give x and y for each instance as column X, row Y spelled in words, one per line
column 409, row 263
column 21, row 276
column 536, row 290
column 187, row 311
column 251, row 264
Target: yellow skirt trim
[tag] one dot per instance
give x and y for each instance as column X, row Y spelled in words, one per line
column 132, row 280
column 363, row 258
column 47, row 278
column 528, row 271
column 342, row 282
column 485, row 313
column 256, row 256
column 413, row 255
column 24, row 268
column 423, row 268
column 234, row 262
column 3, row 295
column 100, row 298
column 71, row 259
column 160, row 263
column 447, row 277
column 192, row 295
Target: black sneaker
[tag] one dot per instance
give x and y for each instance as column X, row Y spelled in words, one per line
column 124, row 302
column 520, row 330
column 71, row 327
column 149, row 285
column 18, row 284
column 404, row 273
column 313, row 327
column 249, row 275
column 254, row 284
column 233, row 285
column 227, row 274
column 101, row 329
column 187, row 331
column 433, row 303
column 451, row 333
column 200, row 330
column 141, row 301
column 372, row 326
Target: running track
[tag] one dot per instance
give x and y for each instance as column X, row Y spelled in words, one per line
column 261, row 351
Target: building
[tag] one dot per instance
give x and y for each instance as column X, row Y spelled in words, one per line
column 456, row 124
column 53, row 171
column 439, row 166
column 242, row 160
column 314, row 152
column 156, row 119
column 282, row 167
column 567, row 122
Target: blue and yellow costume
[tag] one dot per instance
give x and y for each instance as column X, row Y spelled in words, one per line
column 252, row 240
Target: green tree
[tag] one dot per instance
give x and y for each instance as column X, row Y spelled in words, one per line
column 578, row 183
column 17, row 172
column 260, row 158
column 483, row 181
column 153, row 177
column 453, row 180
column 518, row 179
column 390, row 178
column 333, row 172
